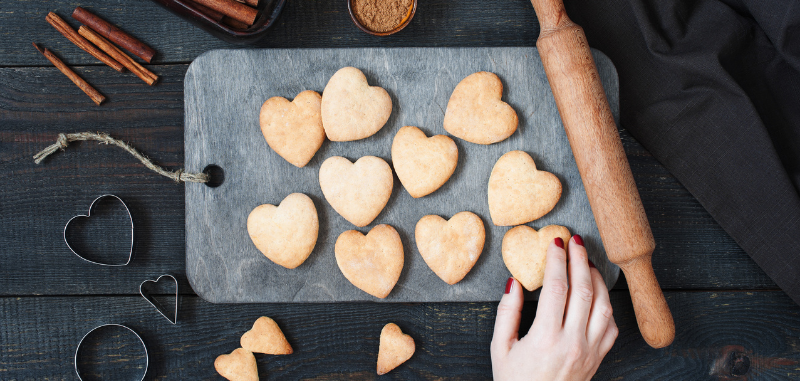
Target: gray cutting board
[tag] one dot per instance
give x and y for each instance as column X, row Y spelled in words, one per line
column 224, row 91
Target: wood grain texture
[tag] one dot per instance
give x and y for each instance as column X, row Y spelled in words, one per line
column 222, row 103
column 452, row 338
column 36, row 105
column 692, row 251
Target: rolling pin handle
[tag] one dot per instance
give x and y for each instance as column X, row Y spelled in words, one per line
column 551, row 14
column 652, row 312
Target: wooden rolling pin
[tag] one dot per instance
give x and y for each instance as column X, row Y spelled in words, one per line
column 603, row 165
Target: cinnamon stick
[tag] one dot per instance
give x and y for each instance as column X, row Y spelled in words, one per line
column 212, row 14
column 116, row 35
column 252, row 3
column 232, row 9
column 113, row 51
column 64, row 28
column 76, row 79
column 234, row 23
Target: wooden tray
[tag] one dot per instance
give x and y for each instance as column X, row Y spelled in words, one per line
column 224, row 90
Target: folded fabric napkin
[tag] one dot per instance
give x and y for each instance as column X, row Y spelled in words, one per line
column 712, row 89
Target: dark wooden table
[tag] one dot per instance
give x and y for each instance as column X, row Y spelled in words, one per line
column 732, row 321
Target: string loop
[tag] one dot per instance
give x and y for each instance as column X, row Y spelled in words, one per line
column 64, row 139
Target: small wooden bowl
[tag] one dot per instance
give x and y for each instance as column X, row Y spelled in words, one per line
column 403, row 23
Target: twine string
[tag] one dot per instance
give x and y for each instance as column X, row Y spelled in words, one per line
column 63, row 141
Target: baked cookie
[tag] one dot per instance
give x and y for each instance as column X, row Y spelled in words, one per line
column 287, row 233
column 293, row 129
column 395, row 348
column 351, row 108
column 373, row 262
column 450, row 248
column 475, row 112
column 357, row 191
column 518, row 192
column 525, row 252
column 266, row 337
column 423, row 164
column 240, row 365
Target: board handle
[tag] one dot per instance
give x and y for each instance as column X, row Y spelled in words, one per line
column 602, row 163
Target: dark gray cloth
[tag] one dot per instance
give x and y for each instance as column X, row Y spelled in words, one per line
column 712, row 89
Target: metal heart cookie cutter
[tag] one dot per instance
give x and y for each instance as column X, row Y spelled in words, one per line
column 91, row 207
column 146, row 355
column 153, row 302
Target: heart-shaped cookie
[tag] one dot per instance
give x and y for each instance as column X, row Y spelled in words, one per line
column 357, row 191
column 525, row 252
column 518, row 192
column 287, row 233
column 373, row 262
column 266, row 337
column 351, row 108
column 395, row 348
column 240, row 365
column 475, row 112
column 450, row 248
column 293, row 129
column 423, row 164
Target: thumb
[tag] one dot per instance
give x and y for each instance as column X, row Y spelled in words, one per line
column 506, row 325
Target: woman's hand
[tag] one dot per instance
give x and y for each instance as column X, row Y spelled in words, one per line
column 574, row 327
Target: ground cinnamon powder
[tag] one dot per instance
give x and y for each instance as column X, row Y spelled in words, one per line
column 381, row 15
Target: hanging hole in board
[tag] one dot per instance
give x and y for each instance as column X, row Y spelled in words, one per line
column 216, row 176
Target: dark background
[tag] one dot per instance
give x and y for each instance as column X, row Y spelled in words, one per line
column 726, row 308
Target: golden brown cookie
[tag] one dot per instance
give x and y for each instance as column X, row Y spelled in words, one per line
column 287, row 233
column 525, row 252
column 423, row 164
column 357, row 191
column 450, row 248
column 373, row 262
column 518, row 192
column 476, row 113
column 266, row 337
column 240, row 365
column 351, row 108
column 395, row 348
column 293, row 129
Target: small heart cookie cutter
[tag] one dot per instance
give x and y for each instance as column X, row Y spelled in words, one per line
column 153, row 302
column 130, row 218
column 146, row 354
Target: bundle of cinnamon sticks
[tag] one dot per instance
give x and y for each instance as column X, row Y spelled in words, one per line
column 93, row 37
column 239, row 14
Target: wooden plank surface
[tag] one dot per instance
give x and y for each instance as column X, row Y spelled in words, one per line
column 38, row 334
column 341, row 343
column 222, row 128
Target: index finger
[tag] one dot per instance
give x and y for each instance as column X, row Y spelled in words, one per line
column 555, row 287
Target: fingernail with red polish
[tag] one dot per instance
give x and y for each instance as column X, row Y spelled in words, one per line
column 559, row 242
column 591, row 265
column 578, row 239
column 509, row 284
